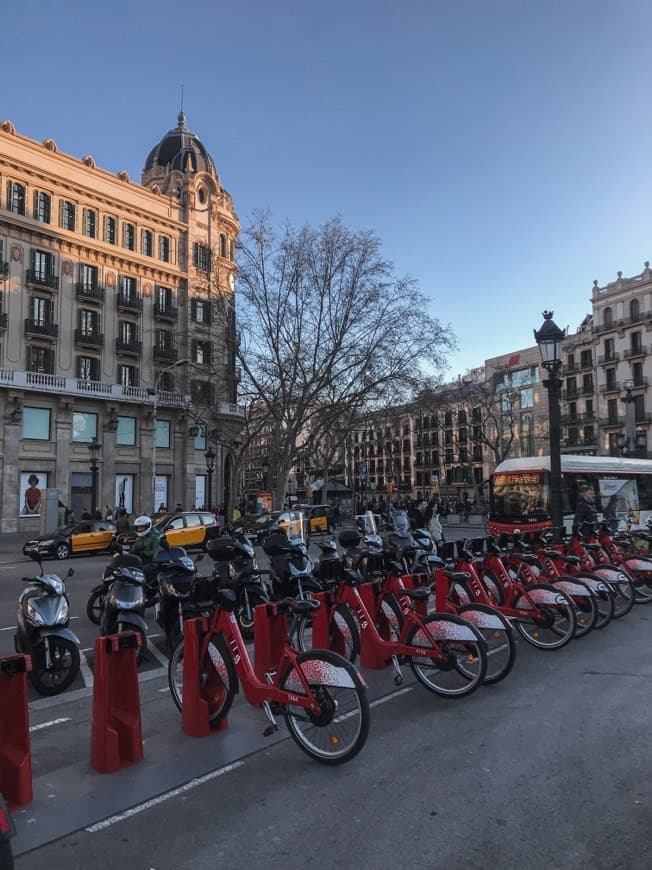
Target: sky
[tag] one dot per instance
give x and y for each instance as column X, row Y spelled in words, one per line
column 500, row 149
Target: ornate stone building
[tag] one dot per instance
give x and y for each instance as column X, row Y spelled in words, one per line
column 117, row 329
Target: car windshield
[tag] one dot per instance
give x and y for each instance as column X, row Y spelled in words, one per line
column 294, row 522
column 64, row 530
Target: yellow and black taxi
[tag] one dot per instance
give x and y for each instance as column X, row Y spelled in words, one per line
column 190, row 529
column 75, row 539
column 320, row 518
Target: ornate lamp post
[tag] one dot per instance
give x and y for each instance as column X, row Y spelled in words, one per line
column 94, row 450
column 549, row 339
column 209, row 456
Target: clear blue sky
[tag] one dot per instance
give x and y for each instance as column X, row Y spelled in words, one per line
column 501, row 149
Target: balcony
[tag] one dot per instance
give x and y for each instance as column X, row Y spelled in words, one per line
column 88, row 339
column 570, row 369
column 41, row 328
column 42, row 279
column 635, row 351
column 610, row 387
column 129, row 347
column 165, row 354
column 640, row 383
column 130, row 302
column 610, row 422
column 88, row 293
column 165, row 312
column 608, row 358
column 570, row 395
column 4, row 269
column 587, row 391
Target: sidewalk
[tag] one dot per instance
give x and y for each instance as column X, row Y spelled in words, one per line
column 11, row 547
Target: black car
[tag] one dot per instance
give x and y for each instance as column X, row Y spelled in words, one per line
column 88, row 536
column 256, row 526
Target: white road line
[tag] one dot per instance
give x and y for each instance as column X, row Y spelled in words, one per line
column 139, row 808
column 152, row 650
column 87, row 674
column 391, row 697
column 50, row 724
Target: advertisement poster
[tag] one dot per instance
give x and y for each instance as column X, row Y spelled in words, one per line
column 619, row 498
column 124, row 492
column 200, row 490
column 31, row 485
column 161, row 492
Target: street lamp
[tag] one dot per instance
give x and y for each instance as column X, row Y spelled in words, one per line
column 630, row 441
column 210, row 467
column 94, row 450
column 179, row 362
column 549, row 339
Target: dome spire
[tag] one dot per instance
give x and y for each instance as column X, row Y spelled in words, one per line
column 181, row 118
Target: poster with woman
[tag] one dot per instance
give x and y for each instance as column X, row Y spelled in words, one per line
column 32, row 483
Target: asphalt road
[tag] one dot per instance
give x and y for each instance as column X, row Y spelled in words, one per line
column 549, row 769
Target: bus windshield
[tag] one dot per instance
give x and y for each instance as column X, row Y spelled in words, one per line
column 522, row 496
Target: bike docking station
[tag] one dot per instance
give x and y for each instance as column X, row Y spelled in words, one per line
column 15, row 752
column 199, row 686
column 116, row 731
column 271, row 630
column 325, row 636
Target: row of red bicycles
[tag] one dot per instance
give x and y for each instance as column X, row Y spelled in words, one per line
column 389, row 599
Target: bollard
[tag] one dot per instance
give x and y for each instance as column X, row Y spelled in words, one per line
column 198, row 684
column 370, row 656
column 270, row 632
column 15, row 755
column 116, row 733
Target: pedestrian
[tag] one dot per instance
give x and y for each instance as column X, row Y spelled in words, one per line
column 586, row 515
column 97, row 515
column 178, row 509
column 122, row 523
column 85, row 515
column 336, row 514
column 108, row 513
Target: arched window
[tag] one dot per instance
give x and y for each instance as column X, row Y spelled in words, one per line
column 634, row 310
column 608, row 317
column 67, row 215
column 16, row 197
column 222, row 245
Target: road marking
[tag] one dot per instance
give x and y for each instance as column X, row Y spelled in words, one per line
column 50, row 724
column 391, row 696
column 152, row 650
column 147, row 805
column 87, row 674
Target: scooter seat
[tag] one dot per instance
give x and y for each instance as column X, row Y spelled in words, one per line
column 416, row 594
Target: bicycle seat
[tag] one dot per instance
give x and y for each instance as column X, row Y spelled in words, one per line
column 416, row 594
column 572, row 560
column 352, row 577
column 593, row 546
column 301, row 606
column 457, row 576
column 529, row 558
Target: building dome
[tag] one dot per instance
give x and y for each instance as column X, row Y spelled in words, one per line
column 180, row 149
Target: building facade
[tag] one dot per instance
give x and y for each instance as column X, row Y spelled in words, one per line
column 117, row 330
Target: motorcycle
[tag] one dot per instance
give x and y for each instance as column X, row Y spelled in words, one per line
column 7, row 831
column 181, row 592
column 290, row 567
column 124, row 602
column 42, row 632
column 236, row 567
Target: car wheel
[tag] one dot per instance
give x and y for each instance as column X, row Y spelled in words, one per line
column 62, row 551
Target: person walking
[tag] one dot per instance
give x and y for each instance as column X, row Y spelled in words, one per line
column 585, row 513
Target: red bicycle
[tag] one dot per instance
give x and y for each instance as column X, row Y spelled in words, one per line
column 321, row 695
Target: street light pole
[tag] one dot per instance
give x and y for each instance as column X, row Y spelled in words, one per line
column 179, row 362
column 210, row 467
column 549, row 339
column 94, row 450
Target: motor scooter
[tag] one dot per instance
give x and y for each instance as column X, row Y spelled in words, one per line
column 235, row 567
column 290, row 567
column 124, row 603
column 42, row 632
column 181, row 593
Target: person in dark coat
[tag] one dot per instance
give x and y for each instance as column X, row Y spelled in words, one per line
column 585, row 512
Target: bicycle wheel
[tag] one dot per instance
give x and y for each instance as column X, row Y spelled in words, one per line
column 552, row 623
column 622, row 589
column 498, row 636
column 389, row 617
column 603, row 597
column 343, row 635
column 218, row 682
column 493, row 587
column 340, row 730
column 459, row 662
column 584, row 602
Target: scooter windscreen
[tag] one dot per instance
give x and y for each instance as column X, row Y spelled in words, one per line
column 295, row 527
column 367, row 523
column 400, row 523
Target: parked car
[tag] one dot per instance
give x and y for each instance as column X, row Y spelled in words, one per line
column 256, row 526
column 320, row 518
column 89, row 536
column 188, row 530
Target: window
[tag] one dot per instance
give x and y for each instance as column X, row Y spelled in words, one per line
column 16, row 197
column 200, row 440
column 589, row 412
column 200, row 311
column 90, row 223
column 448, row 418
column 200, row 392
column 110, row 227
column 587, row 383
column 609, row 349
column 588, row 435
column 506, row 402
column 611, row 379
column 36, row 424
column 67, row 218
column 89, row 322
column 202, row 352
column 127, row 376
column 639, row 408
column 148, row 243
column 635, row 342
column 129, row 288
column 634, row 310
column 88, row 277
column 637, row 374
column 570, row 361
column 614, row 449
column 572, row 411
column 164, row 339
column 526, row 398
column 40, row 359
column 129, row 236
column 222, row 245
column 164, row 249
column 42, row 207
column 608, row 317
column 127, row 331
column 201, row 256
column 126, row 433
column 41, row 311
column 42, row 266
column 84, row 427
column 163, row 298
column 162, row 433
column 88, row 368
column 612, row 411
column 586, row 359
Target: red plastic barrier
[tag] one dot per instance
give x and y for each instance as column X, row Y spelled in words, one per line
column 370, row 656
column 116, row 733
column 320, row 633
column 15, row 755
column 270, row 632
column 199, row 686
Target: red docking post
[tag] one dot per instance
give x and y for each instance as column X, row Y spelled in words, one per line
column 270, row 632
column 370, row 657
column 15, row 755
column 325, row 632
column 202, row 683
column 116, row 732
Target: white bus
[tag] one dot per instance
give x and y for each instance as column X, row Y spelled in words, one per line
column 519, row 490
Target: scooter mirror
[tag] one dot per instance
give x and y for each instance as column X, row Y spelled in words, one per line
column 163, row 542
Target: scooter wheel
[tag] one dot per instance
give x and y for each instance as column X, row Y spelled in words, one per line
column 64, row 667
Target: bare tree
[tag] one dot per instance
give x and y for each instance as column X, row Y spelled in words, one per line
column 325, row 329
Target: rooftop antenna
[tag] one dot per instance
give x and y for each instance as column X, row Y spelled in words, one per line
column 181, row 86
